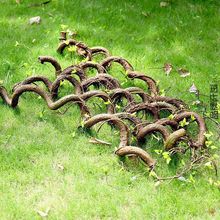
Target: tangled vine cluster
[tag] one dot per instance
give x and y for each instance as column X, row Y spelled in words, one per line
column 112, row 94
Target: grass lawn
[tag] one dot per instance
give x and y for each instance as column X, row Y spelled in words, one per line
column 45, row 165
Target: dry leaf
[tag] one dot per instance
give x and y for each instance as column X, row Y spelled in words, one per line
column 157, row 183
column 72, row 34
column 97, row 141
column 133, row 178
column 182, row 178
column 183, row 72
column 197, row 102
column 80, row 51
column 18, row 1
column 60, row 166
column 164, row 4
column 43, row 214
column 193, row 89
column 146, row 14
column 212, row 211
column 35, row 20
column 167, row 68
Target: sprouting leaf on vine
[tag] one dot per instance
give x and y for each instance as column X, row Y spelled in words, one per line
column 71, row 49
column 208, row 143
column 63, row 83
column 162, row 92
column 171, row 116
column 133, row 139
column 215, row 156
column 107, row 102
column 106, row 90
column 85, row 59
column 158, row 152
column 118, row 107
column 208, row 135
column 213, row 147
column 166, row 156
column 192, row 118
column 183, row 123
column 73, row 71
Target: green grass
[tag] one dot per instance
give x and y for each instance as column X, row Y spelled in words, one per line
column 93, row 184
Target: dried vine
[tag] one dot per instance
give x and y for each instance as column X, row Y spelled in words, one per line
column 110, row 91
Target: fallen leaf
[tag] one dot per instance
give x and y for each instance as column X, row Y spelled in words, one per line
column 157, row 183
column 183, row 72
column 146, row 14
column 212, row 211
column 164, row 4
column 72, row 34
column 193, row 89
column 43, row 214
column 181, row 178
column 197, row 102
column 97, row 141
column 133, row 178
column 35, row 20
column 167, row 68
column 60, row 166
